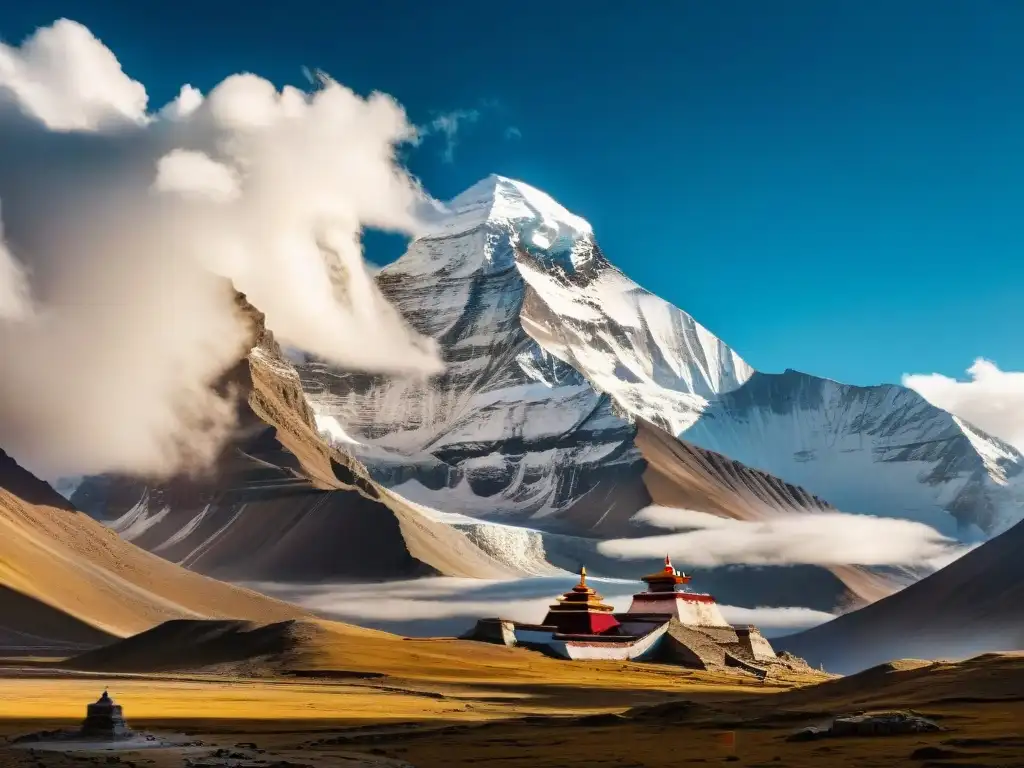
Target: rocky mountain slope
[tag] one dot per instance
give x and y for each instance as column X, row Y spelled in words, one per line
column 553, row 355
column 515, row 429
column 283, row 506
column 280, row 504
column 974, row 605
column 68, row 582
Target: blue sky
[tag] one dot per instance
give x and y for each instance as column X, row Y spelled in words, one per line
column 829, row 186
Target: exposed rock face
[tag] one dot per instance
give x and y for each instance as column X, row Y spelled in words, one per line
column 281, row 504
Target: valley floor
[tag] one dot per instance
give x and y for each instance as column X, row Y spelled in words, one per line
column 634, row 715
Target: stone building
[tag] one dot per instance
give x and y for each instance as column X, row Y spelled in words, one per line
column 667, row 622
column 104, row 719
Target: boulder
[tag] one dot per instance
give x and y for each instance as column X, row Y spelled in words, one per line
column 868, row 724
column 881, row 724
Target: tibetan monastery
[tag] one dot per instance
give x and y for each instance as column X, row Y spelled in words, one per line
column 667, row 622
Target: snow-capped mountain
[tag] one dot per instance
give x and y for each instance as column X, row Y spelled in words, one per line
column 553, row 354
column 572, row 398
column 883, row 450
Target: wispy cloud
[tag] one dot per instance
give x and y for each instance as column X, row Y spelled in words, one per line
column 448, row 125
column 527, row 600
column 767, row 618
column 820, row 538
column 992, row 399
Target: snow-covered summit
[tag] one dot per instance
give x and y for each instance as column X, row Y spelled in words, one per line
column 501, row 200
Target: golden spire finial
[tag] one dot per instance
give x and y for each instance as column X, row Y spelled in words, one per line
column 583, row 575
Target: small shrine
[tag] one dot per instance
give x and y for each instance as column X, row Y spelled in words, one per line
column 104, row 728
column 581, row 611
column 104, row 719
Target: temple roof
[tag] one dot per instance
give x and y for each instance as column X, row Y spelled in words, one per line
column 667, row 577
column 582, row 598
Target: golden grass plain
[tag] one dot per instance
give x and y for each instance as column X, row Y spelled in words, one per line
column 521, row 709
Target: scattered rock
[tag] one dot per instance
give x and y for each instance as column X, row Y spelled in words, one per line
column 868, row 724
column 882, row 724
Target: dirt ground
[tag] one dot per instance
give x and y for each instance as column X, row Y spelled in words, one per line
column 556, row 723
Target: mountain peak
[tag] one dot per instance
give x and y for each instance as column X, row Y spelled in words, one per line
column 504, row 201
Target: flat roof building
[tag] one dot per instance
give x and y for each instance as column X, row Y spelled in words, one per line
column 667, row 622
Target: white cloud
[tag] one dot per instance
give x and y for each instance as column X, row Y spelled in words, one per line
column 69, row 80
column 992, row 400
column 121, row 225
column 819, row 538
column 188, row 101
column 512, row 132
column 944, row 559
column 448, row 125
column 766, row 618
column 15, row 301
column 193, row 174
column 524, row 600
